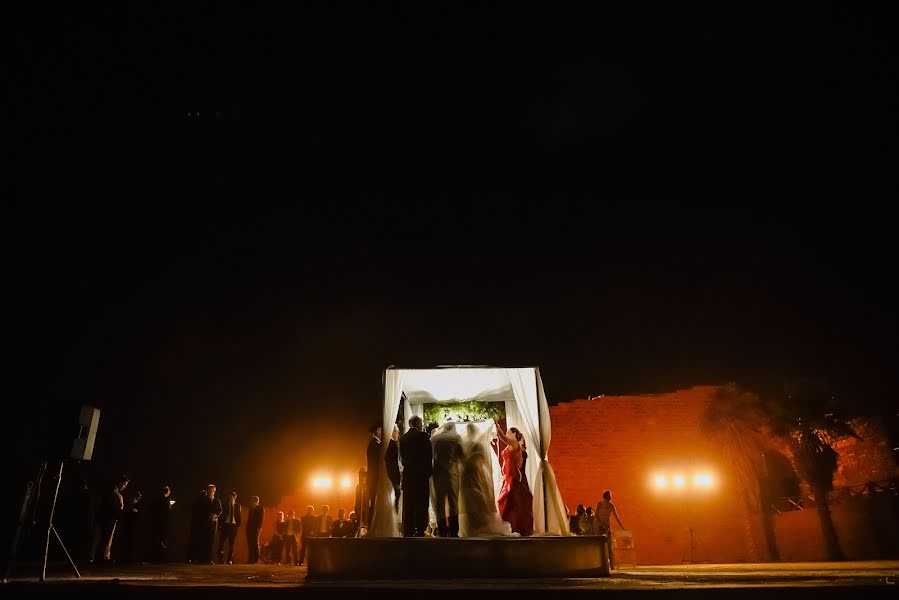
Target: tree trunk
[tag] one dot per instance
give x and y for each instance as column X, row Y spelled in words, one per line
column 834, row 552
column 770, row 535
column 768, row 522
column 749, row 531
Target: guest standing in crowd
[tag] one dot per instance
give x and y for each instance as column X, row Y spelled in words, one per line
column 229, row 523
column 255, row 517
column 361, row 504
column 111, row 505
column 291, row 556
column 276, row 545
column 309, row 526
column 158, row 514
column 591, row 522
column 339, row 526
column 578, row 522
column 372, row 456
column 605, row 510
column 127, row 537
column 352, row 526
column 212, row 508
column 325, row 520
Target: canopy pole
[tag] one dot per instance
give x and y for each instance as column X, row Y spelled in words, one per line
column 540, row 433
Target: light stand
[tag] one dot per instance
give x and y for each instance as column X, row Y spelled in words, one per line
column 694, row 539
column 52, row 530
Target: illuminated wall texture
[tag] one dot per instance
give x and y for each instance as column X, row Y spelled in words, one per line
column 620, row 443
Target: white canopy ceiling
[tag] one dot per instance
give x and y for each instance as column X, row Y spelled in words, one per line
column 457, row 384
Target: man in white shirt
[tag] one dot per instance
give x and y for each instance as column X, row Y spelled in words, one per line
column 290, row 539
column 324, row 522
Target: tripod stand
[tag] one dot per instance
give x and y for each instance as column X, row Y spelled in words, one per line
column 52, row 529
column 33, row 489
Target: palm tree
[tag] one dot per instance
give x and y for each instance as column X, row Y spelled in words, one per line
column 811, row 428
column 738, row 421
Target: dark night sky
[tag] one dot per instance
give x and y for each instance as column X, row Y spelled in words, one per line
column 635, row 201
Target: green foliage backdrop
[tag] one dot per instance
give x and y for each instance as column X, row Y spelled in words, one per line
column 471, row 410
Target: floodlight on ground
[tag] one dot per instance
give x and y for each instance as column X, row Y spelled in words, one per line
column 346, row 482
column 321, row 483
column 702, row 480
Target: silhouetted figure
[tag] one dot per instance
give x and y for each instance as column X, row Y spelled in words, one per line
column 361, row 504
column 195, row 537
column 276, row 545
column 352, row 525
column 111, row 506
column 212, row 508
column 372, row 456
column 309, row 525
column 229, row 523
column 416, row 454
column 447, row 459
column 293, row 529
column 392, row 460
column 577, row 521
column 339, row 525
column 158, row 513
column 255, row 517
column 591, row 522
column 127, row 529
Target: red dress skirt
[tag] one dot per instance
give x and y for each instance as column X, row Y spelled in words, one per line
column 516, row 503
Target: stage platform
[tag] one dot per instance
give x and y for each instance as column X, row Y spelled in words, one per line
column 425, row 558
column 873, row 580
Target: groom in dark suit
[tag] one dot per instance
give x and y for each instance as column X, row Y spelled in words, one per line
column 417, row 457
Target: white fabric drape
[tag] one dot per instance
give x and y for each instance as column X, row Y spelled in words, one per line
column 555, row 507
column 384, row 523
column 411, row 410
column 533, row 415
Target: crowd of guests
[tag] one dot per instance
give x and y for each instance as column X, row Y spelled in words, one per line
column 290, row 539
column 108, row 528
column 587, row 521
column 215, row 522
column 211, row 516
column 120, row 525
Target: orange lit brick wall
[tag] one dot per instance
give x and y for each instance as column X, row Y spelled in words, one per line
column 618, row 442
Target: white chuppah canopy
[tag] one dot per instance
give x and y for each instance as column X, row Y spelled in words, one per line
column 521, row 389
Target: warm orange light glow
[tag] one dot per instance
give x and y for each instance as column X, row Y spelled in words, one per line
column 702, row 480
column 321, row 483
column 346, row 482
column 683, row 479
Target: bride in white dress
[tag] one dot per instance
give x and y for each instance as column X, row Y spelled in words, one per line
column 478, row 515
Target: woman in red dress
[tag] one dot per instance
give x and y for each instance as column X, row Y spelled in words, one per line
column 516, row 503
